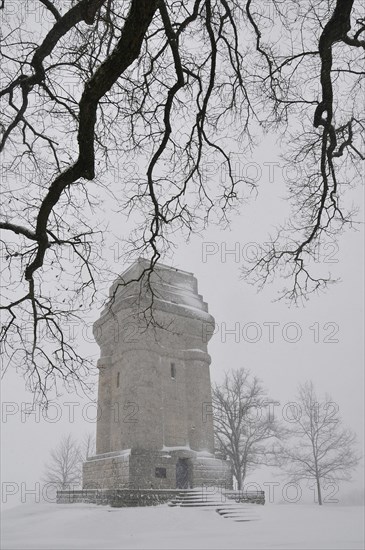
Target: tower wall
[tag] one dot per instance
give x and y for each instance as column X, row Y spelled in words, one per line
column 154, row 395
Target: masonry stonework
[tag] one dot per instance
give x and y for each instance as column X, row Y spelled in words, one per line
column 155, row 424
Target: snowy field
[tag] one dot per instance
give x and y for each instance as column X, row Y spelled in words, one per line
column 87, row 526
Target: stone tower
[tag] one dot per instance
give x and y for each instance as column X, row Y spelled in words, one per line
column 155, row 425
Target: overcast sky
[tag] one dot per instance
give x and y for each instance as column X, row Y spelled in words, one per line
column 283, row 346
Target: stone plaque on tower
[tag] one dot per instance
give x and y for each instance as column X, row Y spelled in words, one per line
column 155, row 423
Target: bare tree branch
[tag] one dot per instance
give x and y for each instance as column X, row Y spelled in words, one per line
column 170, row 88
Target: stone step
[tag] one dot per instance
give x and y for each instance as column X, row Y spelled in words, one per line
column 231, row 513
column 217, row 503
column 204, row 498
column 199, row 504
column 233, row 508
column 212, row 503
column 241, row 520
column 197, row 499
column 239, row 517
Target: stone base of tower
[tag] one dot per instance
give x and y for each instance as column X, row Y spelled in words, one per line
column 169, row 468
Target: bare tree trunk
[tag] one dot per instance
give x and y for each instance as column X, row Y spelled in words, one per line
column 319, row 491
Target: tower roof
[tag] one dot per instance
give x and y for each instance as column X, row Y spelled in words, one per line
column 172, row 289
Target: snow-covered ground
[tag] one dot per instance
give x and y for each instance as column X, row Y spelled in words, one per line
column 87, row 526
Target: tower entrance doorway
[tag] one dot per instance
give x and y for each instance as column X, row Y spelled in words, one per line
column 182, row 474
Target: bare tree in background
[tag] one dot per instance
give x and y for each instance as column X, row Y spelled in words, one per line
column 243, row 422
column 64, row 468
column 320, row 449
column 152, row 94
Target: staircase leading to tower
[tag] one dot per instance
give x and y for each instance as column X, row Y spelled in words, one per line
column 226, row 503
